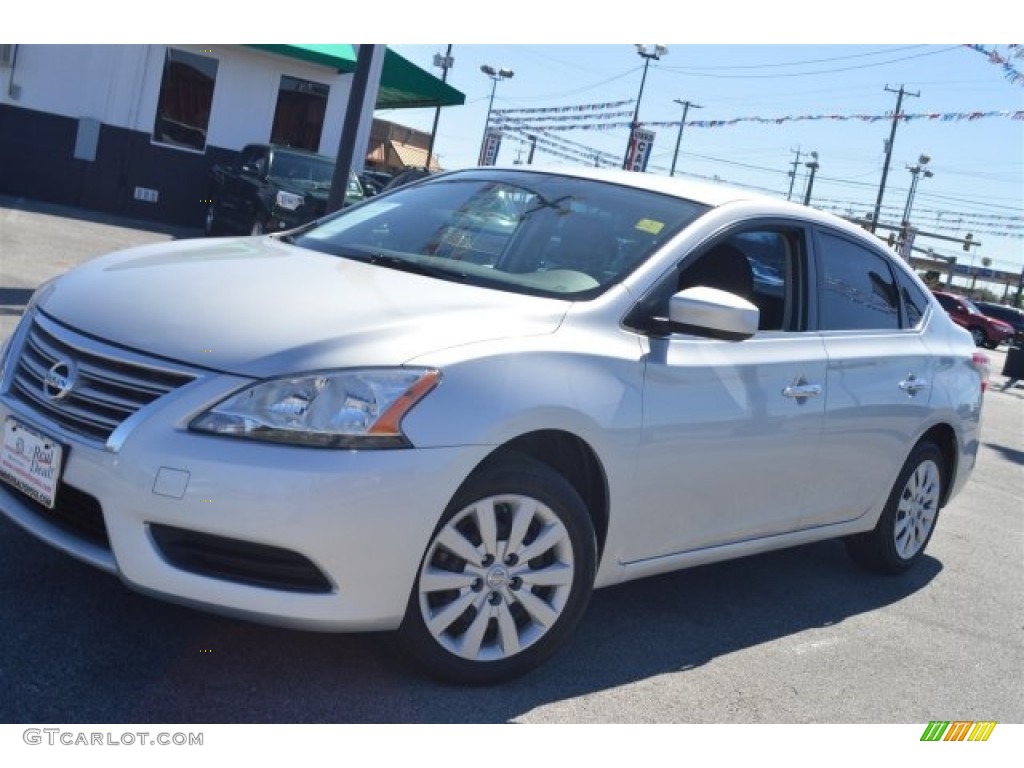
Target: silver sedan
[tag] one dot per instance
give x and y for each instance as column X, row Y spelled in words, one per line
column 456, row 409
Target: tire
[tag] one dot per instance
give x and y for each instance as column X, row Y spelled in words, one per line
column 978, row 334
column 908, row 520
column 211, row 226
column 506, row 577
column 991, row 344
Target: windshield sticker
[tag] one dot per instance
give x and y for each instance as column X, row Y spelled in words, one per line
column 650, row 226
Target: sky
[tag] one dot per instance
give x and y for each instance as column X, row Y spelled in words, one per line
column 977, row 163
column 740, row 60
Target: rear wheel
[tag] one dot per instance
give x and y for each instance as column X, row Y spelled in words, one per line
column 505, row 578
column 908, row 521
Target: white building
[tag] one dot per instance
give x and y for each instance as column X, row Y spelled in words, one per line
column 135, row 129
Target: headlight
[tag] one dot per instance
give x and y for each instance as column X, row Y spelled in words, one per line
column 288, row 201
column 335, row 409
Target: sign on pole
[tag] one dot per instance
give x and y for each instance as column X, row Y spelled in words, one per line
column 907, row 246
column 492, row 143
column 640, row 144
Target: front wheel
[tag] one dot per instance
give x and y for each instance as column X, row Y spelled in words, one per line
column 978, row 334
column 210, row 224
column 908, row 520
column 506, row 576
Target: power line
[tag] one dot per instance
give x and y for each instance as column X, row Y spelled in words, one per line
column 699, row 73
column 877, row 52
column 582, row 89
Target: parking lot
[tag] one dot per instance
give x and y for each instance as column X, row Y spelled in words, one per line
column 798, row 636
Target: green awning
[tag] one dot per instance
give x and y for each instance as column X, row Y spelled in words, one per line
column 403, row 85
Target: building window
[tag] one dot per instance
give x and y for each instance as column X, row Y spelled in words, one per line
column 299, row 116
column 186, row 94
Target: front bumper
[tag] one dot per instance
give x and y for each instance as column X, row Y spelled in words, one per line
column 194, row 518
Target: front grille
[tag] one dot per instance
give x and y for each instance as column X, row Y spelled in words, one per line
column 240, row 561
column 74, row 511
column 105, row 390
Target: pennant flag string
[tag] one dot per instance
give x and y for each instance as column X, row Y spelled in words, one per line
column 569, row 125
column 998, row 59
column 575, row 108
column 558, row 147
column 500, row 119
column 565, row 153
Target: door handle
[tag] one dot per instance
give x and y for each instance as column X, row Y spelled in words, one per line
column 912, row 385
column 801, row 389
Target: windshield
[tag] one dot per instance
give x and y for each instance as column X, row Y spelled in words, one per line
column 528, row 232
column 302, row 170
column 971, row 309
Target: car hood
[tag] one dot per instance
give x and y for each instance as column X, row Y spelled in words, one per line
column 259, row 307
column 315, row 199
column 1001, row 324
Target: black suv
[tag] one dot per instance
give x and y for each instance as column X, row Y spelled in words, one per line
column 1011, row 315
column 270, row 188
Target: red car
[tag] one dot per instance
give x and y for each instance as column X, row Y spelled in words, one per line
column 987, row 331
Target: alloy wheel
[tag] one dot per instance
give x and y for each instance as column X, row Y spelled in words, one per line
column 496, row 577
column 917, row 509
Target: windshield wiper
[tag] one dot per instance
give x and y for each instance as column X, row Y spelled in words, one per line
column 415, row 267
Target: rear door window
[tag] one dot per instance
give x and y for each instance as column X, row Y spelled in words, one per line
column 856, row 287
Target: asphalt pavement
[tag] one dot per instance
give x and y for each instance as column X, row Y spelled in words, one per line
column 798, row 636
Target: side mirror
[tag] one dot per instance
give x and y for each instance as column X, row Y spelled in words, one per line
column 711, row 312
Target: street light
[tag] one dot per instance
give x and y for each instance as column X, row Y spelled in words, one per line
column 646, row 52
column 915, row 170
column 686, row 108
column 813, row 166
column 906, row 236
column 501, row 73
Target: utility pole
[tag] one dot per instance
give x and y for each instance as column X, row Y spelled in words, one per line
column 792, row 174
column 682, row 123
column 445, row 63
column 888, row 149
